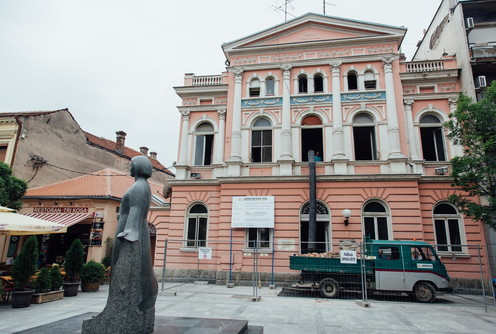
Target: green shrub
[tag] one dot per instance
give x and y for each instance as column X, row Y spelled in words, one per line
column 43, row 281
column 56, row 279
column 25, row 264
column 92, row 272
column 74, row 261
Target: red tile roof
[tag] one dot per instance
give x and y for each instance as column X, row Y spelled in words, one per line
column 106, row 183
column 126, row 151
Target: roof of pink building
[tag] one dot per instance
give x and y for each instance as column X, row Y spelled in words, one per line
column 106, row 183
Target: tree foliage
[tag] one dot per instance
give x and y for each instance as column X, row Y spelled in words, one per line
column 25, row 264
column 74, row 259
column 11, row 188
column 473, row 127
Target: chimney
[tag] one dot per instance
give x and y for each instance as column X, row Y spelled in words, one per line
column 144, row 150
column 153, row 155
column 120, row 140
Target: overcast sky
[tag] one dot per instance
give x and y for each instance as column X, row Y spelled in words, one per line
column 114, row 63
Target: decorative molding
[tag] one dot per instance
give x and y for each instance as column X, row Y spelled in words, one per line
column 222, row 113
column 311, row 99
column 261, row 102
column 363, row 96
column 447, row 87
column 238, row 71
column 409, row 89
column 185, row 114
column 408, row 102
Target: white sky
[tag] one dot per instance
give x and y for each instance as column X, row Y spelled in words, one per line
column 114, row 63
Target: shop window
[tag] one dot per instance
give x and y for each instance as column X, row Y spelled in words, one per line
column 352, row 80
column 259, row 238
column 364, row 137
column 196, row 230
column 302, row 84
column 261, row 141
column 447, row 225
column 370, row 81
column 254, row 88
column 375, row 221
column 311, row 136
column 270, row 86
column 318, row 83
column 431, row 134
column 204, row 144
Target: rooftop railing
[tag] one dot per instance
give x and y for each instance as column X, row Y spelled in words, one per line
column 207, row 80
column 425, row 66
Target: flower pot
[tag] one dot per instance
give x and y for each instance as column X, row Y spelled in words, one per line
column 90, row 286
column 44, row 297
column 71, row 289
column 22, row 298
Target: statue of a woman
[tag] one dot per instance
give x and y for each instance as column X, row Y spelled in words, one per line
column 133, row 287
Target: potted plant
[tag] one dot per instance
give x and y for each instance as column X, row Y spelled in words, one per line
column 73, row 266
column 47, row 286
column 91, row 276
column 22, row 271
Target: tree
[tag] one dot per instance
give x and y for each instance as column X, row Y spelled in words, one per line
column 473, row 126
column 11, row 188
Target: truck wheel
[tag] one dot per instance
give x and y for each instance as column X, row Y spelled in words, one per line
column 424, row 292
column 329, row 288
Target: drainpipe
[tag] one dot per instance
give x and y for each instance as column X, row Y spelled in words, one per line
column 312, row 221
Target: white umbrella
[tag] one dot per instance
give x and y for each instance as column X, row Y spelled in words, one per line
column 12, row 223
column 5, row 209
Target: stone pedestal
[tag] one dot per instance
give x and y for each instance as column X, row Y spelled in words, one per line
column 121, row 314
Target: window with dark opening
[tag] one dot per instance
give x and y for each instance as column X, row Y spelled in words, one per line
column 364, row 138
column 352, row 80
column 447, row 227
column 259, row 237
column 318, row 84
column 311, row 136
column 370, row 81
column 431, row 134
column 204, row 144
column 302, row 84
column 322, row 228
column 254, row 88
column 375, row 221
column 197, row 226
column 261, row 141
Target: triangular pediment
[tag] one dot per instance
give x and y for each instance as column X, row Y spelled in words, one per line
column 315, row 28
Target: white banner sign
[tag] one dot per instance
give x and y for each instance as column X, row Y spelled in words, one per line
column 348, row 256
column 205, row 253
column 253, row 212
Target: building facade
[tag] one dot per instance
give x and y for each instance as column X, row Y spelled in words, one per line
column 341, row 89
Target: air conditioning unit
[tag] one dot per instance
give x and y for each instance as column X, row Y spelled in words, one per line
column 470, row 22
column 441, row 170
column 196, row 175
column 480, row 81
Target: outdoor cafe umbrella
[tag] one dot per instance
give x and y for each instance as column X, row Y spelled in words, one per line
column 12, row 223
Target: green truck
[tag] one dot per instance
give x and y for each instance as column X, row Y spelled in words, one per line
column 410, row 267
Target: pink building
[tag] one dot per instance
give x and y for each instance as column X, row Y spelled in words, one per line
column 338, row 87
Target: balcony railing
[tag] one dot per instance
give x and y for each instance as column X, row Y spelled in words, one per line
column 425, row 66
column 207, row 80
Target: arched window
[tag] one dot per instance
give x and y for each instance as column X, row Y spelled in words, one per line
column 270, row 86
column 375, row 221
column 196, row 231
column 364, row 137
column 370, row 81
column 261, row 141
column 322, row 228
column 431, row 134
column 311, row 136
column 352, row 80
column 254, row 87
column 318, row 83
column 204, row 144
column 302, row 84
column 447, row 223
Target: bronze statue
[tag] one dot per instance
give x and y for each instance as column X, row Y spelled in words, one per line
column 133, row 287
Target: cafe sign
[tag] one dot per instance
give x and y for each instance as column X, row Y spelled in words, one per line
column 60, row 210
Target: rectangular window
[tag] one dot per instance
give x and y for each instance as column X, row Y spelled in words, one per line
column 389, row 253
column 197, row 232
column 448, row 235
column 369, row 227
column 3, row 152
column 432, row 144
column 370, row 84
column 364, row 140
column 203, row 153
column 260, row 236
column 269, row 87
column 261, row 146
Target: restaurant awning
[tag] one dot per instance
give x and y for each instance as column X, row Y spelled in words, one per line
column 12, row 223
column 66, row 219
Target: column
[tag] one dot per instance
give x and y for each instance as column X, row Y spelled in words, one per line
column 457, row 150
column 236, row 119
column 393, row 128
column 286, row 144
column 412, row 142
column 220, row 140
column 183, row 152
column 337, row 115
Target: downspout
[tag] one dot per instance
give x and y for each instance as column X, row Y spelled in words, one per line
column 312, row 214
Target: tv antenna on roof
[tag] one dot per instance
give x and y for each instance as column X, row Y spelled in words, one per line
column 324, row 3
column 284, row 8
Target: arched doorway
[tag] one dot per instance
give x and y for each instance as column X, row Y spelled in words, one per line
column 323, row 228
column 311, row 136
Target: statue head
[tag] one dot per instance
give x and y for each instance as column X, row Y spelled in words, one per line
column 141, row 166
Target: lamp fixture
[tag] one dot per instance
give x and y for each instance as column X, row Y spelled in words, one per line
column 346, row 215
